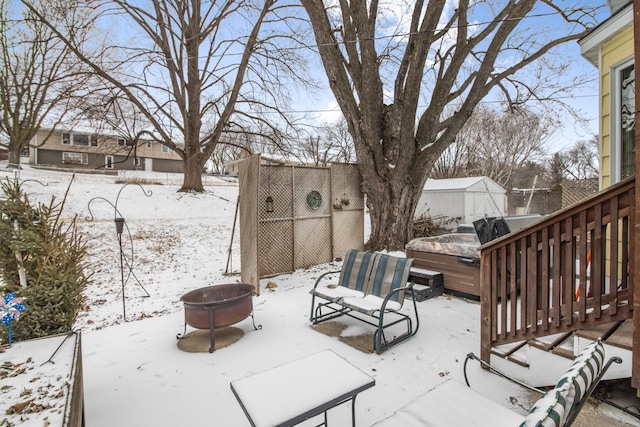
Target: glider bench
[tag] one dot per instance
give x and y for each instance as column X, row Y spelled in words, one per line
column 371, row 288
column 452, row 403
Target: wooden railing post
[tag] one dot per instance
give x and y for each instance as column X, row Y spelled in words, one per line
column 486, row 315
column 568, row 271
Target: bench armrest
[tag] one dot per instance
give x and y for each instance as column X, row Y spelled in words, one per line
column 323, row 275
column 409, row 288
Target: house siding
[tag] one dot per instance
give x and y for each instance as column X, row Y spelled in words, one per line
column 163, row 165
column 50, row 152
column 614, row 51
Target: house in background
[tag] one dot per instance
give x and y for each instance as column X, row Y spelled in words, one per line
column 85, row 149
column 609, row 47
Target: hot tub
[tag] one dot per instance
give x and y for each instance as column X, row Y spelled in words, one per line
column 455, row 255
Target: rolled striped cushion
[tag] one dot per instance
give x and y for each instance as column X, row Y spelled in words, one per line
column 548, row 411
column 579, row 377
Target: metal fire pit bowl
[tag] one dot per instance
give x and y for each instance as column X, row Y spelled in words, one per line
column 217, row 306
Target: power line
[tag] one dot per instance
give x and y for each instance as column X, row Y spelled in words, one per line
column 586, row 11
column 338, row 110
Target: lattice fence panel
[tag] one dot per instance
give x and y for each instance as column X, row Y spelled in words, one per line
column 275, row 248
column 348, row 209
column 275, row 182
column 345, row 187
column 301, row 216
column 313, row 241
column 312, row 189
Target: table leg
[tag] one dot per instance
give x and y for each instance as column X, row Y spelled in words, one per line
column 353, row 411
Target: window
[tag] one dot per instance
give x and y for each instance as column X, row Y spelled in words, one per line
column 75, row 158
column 138, row 162
column 121, row 142
column 108, row 162
column 166, row 149
column 79, row 139
column 148, row 144
column 623, row 129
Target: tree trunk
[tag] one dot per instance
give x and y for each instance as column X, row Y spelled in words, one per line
column 14, row 157
column 391, row 209
column 193, row 166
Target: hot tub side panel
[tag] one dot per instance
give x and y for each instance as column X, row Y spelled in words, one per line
column 462, row 277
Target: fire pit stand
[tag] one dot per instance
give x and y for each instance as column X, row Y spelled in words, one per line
column 217, row 306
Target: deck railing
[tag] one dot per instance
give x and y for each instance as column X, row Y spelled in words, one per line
column 570, row 270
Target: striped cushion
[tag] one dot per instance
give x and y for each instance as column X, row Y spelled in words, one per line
column 389, row 273
column 585, row 368
column 356, row 269
column 548, row 411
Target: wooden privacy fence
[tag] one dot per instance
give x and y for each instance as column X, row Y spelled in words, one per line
column 569, row 271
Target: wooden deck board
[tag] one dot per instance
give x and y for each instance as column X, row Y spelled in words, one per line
column 600, row 331
column 506, row 350
column 623, row 336
column 548, row 342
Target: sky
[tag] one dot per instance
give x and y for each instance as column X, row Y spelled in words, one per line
column 134, row 372
column 320, row 105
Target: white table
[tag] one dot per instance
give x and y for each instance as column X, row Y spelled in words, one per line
column 291, row 393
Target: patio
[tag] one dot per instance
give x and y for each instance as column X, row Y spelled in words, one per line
column 134, row 372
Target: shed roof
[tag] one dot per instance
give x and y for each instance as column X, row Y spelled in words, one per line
column 462, row 184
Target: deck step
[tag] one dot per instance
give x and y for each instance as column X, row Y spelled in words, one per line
column 549, row 342
column 600, row 331
column 622, row 337
column 507, row 350
column 521, row 356
column 565, row 348
column 426, row 283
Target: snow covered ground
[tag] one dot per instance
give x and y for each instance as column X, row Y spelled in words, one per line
column 134, row 373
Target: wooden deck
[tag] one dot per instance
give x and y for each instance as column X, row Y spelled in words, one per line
column 571, row 271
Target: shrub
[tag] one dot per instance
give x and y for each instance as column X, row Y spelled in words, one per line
column 54, row 263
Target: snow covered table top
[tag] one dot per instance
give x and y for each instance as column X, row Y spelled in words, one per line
column 291, row 393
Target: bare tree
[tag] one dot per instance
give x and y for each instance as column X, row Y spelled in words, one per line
column 341, row 142
column 196, row 67
column 395, row 84
column 495, row 144
column 331, row 144
column 41, row 82
column 581, row 161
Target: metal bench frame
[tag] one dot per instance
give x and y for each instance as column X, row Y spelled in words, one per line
column 575, row 410
column 378, row 318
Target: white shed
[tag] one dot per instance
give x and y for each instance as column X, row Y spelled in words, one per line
column 469, row 198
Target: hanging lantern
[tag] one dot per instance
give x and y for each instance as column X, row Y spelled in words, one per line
column 269, row 204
